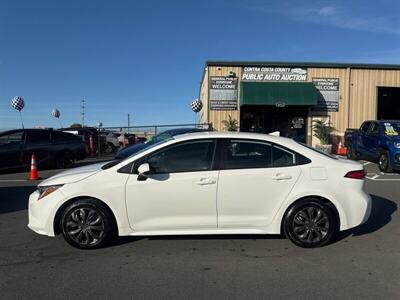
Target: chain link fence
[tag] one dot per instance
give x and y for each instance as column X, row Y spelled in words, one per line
column 111, row 139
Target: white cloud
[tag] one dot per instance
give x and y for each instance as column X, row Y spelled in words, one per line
column 336, row 16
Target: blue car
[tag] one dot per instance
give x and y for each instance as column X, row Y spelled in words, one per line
column 377, row 141
column 130, row 150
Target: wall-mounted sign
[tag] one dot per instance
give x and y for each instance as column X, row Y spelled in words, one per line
column 223, row 93
column 273, row 74
column 280, row 104
column 328, row 94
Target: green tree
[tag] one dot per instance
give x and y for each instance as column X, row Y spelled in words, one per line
column 322, row 131
column 230, row 124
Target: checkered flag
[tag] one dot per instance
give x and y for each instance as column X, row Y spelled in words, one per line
column 17, row 103
column 196, row 105
column 55, row 113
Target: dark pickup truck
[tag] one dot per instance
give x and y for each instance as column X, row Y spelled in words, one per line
column 377, row 141
column 52, row 148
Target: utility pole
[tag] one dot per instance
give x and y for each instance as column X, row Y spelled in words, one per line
column 129, row 121
column 83, row 106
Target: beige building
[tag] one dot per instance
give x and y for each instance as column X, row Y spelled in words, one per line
column 288, row 96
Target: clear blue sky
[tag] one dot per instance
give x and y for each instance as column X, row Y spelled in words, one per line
column 147, row 57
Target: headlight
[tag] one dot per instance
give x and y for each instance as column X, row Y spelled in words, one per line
column 47, row 190
column 397, row 145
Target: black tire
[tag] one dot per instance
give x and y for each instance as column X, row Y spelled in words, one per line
column 88, row 224
column 111, row 148
column 65, row 160
column 310, row 224
column 384, row 162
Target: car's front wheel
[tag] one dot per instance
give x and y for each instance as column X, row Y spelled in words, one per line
column 87, row 224
column 310, row 224
column 384, row 162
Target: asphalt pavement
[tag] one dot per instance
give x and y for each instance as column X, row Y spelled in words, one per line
column 364, row 263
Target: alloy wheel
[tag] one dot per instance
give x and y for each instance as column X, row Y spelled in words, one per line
column 85, row 226
column 383, row 162
column 310, row 225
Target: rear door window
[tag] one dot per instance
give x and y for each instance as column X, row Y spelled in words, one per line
column 38, row 136
column 241, row 154
column 283, row 157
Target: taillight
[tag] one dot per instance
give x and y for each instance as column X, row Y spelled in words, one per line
column 359, row 174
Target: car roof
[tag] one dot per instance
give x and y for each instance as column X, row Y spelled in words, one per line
column 183, row 130
column 26, row 129
column 235, row 135
column 382, row 121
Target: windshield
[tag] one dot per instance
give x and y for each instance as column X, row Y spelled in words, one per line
column 149, row 146
column 391, row 128
column 159, row 138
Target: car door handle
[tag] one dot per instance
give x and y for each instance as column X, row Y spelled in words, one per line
column 206, row 181
column 281, row 176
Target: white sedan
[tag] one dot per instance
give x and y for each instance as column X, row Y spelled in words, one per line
column 205, row 183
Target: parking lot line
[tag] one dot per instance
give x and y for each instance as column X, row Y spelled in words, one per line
column 13, row 180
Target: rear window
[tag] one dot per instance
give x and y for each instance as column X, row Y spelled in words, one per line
column 318, row 151
column 65, row 135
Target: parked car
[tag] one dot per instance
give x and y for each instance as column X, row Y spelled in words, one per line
column 111, row 140
column 52, row 148
column 132, row 149
column 85, row 134
column 377, row 141
column 206, row 183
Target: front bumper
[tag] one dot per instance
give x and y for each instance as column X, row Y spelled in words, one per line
column 395, row 160
column 42, row 212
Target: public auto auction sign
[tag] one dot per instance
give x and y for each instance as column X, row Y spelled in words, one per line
column 273, row 74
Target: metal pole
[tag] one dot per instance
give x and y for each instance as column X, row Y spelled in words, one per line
column 98, row 142
column 83, row 101
column 22, row 122
column 129, row 121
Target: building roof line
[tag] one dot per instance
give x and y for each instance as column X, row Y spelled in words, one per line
column 302, row 64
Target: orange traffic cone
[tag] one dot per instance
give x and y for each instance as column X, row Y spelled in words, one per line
column 34, row 173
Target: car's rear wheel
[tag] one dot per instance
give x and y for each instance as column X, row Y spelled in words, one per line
column 64, row 160
column 310, row 223
column 87, row 224
column 384, row 162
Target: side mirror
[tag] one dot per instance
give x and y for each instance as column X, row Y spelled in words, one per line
column 143, row 171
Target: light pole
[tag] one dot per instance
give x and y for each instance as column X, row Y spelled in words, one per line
column 99, row 125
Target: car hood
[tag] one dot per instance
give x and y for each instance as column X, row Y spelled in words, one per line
column 393, row 138
column 73, row 175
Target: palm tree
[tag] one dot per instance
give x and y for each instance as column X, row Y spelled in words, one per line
column 322, row 131
column 230, row 124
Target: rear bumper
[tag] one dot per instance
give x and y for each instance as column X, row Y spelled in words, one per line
column 358, row 210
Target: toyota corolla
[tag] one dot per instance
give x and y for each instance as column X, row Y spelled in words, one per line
column 205, row 183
